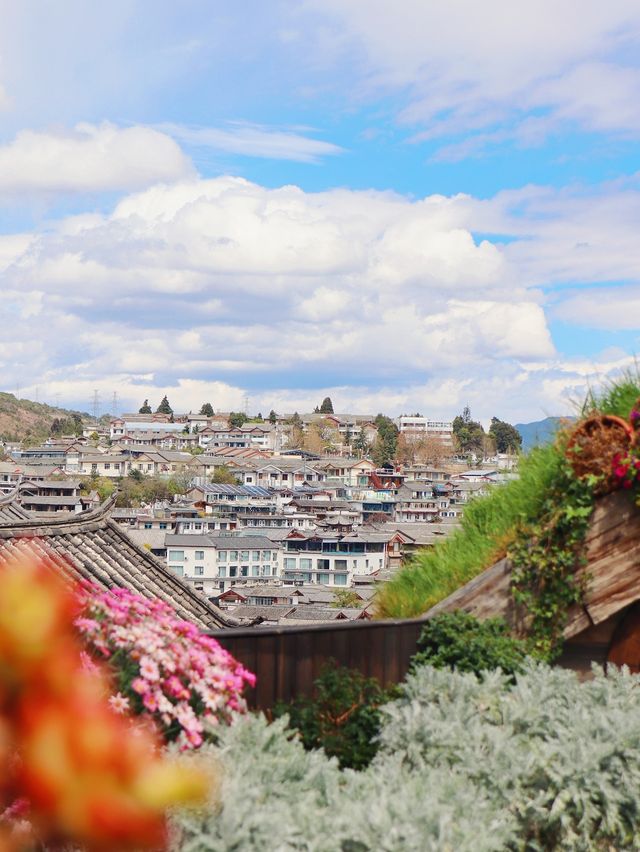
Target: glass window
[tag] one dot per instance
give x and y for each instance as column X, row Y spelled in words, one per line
column 244, row 555
column 255, row 556
column 222, row 556
column 176, row 556
column 244, row 571
column 222, row 571
column 323, row 578
column 255, row 570
column 163, row 526
column 199, row 554
column 340, row 579
column 274, row 556
column 148, row 526
column 306, row 563
column 198, row 570
column 323, row 564
column 289, row 563
column 266, row 570
column 340, row 564
column 223, row 525
column 266, row 555
column 233, row 555
column 178, row 569
column 233, row 571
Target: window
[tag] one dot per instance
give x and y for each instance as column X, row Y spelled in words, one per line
column 274, row 556
column 244, row 571
column 176, row 556
column 148, row 526
column 266, row 555
column 197, row 526
column 199, row 554
column 266, row 570
column 255, row 556
column 244, row 555
column 163, row 526
column 178, row 570
column 322, row 564
column 340, row 564
column 223, row 526
column 255, row 570
column 233, row 571
column 306, row 563
column 222, row 556
column 233, row 555
column 199, row 587
column 107, row 466
column 289, row 563
column 222, row 571
column 198, row 570
column 323, row 578
column 340, row 579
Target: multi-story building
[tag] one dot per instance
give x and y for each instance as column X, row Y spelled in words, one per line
column 215, row 563
column 416, row 427
column 333, row 559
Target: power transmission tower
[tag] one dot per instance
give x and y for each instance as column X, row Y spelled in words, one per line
column 95, row 406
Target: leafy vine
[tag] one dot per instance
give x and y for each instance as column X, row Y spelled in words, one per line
column 545, row 556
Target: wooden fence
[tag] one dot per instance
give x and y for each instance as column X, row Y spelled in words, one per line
column 286, row 660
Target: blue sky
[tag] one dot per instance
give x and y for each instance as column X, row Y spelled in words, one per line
column 408, row 206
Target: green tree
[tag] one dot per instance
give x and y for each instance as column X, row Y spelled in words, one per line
column 385, row 445
column 327, row 406
column 237, row 419
column 360, row 445
column 468, row 433
column 346, row 598
column 145, row 408
column 458, row 640
column 164, row 407
column 223, row 475
column 206, row 409
column 273, row 417
column 505, row 435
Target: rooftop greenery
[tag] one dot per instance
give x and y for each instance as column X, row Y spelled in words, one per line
column 492, row 524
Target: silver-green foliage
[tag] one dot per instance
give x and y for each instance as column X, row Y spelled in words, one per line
column 465, row 763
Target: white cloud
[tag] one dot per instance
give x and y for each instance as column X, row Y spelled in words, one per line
column 255, row 141
column 466, row 67
column 90, row 158
column 391, row 303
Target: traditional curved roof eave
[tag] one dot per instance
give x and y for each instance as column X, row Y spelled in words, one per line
column 93, row 547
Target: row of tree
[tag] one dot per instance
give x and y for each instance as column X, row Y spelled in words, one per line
column 470, row 436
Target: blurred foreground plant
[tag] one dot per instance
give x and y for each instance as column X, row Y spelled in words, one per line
column 90, row 777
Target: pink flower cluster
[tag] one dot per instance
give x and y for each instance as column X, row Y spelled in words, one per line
column 164, row 666
column 626, row 469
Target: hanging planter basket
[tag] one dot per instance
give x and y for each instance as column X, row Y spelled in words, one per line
column 593, row 444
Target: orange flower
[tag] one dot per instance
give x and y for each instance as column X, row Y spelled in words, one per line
column 91, row 777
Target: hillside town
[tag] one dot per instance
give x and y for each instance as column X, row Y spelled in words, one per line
column 292, row 518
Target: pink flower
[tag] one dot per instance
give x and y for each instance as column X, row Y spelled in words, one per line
column 119, row 703
column 150, row 701
column 149, row 669
column 139, row 685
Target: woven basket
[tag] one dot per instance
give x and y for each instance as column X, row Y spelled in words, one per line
column 593, row 444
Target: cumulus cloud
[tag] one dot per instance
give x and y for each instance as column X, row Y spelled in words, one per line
column 385, row 302
column 90, row 158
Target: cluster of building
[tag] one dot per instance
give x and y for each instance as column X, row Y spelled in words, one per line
column 309, row 525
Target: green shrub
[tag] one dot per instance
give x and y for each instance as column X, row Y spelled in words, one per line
column 342, row 716
column 465, row 763
column 458, row 640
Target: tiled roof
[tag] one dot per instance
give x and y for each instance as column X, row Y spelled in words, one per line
column 92, row 547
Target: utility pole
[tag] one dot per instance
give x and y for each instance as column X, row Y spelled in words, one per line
column 114, row 404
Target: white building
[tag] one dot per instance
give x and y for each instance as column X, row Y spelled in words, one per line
column 333, row 559
column 416, row 427
column 215, row 563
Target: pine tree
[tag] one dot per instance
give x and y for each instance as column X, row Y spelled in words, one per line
column 207, row 409
column 327, row 406
column 145, row 407
column 164, row 407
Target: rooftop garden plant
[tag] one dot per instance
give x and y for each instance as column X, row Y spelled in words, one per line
column 539, row 520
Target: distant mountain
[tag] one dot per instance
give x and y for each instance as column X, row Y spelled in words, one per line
column 23, row 420
column 540, row 431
